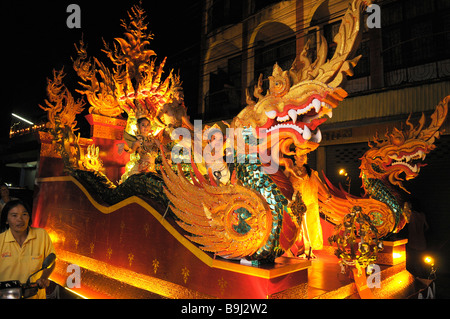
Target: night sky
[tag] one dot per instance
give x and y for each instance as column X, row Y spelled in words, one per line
column 36, row 40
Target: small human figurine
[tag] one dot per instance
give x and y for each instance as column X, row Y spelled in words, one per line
column 213, row 156
column 144, row 150
column 306, row 183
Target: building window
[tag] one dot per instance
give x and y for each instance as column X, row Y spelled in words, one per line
column 415, row 32
column 223, row 100
column 311, row 39
column 362, row 69
column 329, row 32
column 224, row 12
column 261, row 4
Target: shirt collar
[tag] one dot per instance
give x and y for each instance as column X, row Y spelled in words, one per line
column 10, row 238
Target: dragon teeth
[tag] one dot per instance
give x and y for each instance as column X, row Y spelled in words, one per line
column 319, row 106
column 418, row 155
column 317, row 138
column 305, row 132
column 316, row 104
column 293, row 115
column 305, row 110
column 283, row 118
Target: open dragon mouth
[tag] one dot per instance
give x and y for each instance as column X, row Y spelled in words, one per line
column 408, row 161
column 303, row 121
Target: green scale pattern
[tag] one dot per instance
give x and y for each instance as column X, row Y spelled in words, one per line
column 249, row 173
column 376, row 189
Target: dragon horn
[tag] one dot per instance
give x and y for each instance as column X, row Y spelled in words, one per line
column 437, row 119
column 334, row 71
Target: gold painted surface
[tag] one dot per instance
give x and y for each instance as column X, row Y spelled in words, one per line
column 107, row 280
column 395, row 242
column 297, row 292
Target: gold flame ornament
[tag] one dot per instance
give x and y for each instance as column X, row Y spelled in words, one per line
column 356, row 240
column 134, row 85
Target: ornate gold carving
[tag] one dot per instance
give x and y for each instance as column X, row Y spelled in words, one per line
column 222, row 285
column 155, row 264
column 209, row 213
column 91, row 160
column 185, row 274
column 122, row 227
column 393, row 155
column 130, row 258
column 135, row 84
column 109, row 253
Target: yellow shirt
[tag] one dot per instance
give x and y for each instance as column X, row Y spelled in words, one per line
column 17, row 263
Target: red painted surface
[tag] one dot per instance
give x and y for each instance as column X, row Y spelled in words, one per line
column 63, row 209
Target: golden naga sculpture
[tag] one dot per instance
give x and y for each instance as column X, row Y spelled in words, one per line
column 402, row 151
column 283, row 123
column 384, row 167
column 299, row 98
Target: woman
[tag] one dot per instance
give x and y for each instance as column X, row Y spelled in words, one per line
column 23, row 248
column 144, row 150
column 4, row 192
column 306, row 183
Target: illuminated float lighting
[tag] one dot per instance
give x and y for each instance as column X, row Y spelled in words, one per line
column 429, row 260
column 54, row 237
column 348, row 179
column 76, row 293
column 397, row 255
column 34, row 128
column 21, row 118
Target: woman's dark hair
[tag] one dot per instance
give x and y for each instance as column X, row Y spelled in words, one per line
column 140, row 120
column 4, row 214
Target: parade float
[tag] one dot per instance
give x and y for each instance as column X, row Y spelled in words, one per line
column 154, row 206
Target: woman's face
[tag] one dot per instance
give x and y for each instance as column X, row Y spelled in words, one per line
column 18, row 219
column 144, row 127
column 4, row 191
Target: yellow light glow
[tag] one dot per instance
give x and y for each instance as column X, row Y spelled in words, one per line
column 76, row 293
column 53, row 236
column 429, row 260
column 342, row 171
column 397, row 255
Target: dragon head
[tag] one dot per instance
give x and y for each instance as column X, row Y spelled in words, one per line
column 400, row 155
column 290, row 115
column 299, row 99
